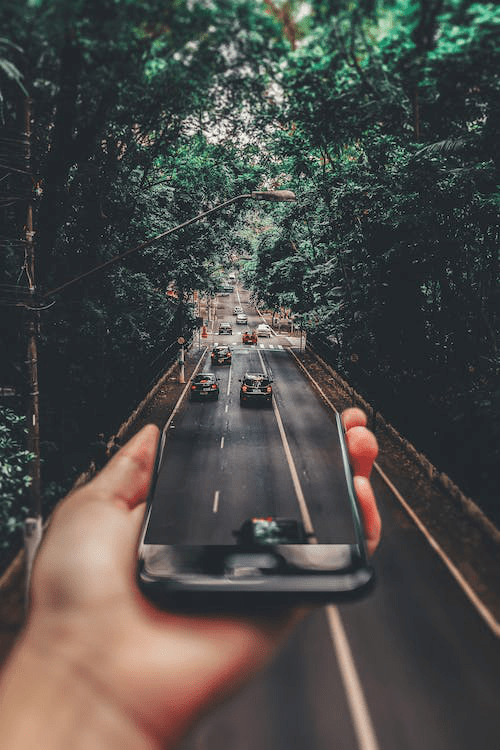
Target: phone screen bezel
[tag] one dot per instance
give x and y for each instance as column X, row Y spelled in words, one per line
column 344, row 582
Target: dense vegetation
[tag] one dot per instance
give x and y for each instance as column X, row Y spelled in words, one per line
column 391, row 127
column 382, row 116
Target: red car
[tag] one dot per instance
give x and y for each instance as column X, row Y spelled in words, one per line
column 249, row 338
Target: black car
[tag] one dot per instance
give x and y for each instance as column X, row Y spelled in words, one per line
column 258, row 531
column 204, row 386
column 221, row 355
column 256, row 387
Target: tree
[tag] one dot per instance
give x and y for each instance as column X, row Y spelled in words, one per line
column 390, row 122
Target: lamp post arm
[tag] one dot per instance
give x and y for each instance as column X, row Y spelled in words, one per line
column 146, row 243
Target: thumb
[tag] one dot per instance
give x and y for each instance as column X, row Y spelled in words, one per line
column 89, row 550
column 126, row 478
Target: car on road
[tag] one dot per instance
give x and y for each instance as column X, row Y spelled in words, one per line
column 225, row 329
column 221, row 355
column 249, row 338
column 237, row 310
column 232, row 276
column 256, row 388
column 241, row 319
column 264, row 330
column 271, row 530
column 204, row 386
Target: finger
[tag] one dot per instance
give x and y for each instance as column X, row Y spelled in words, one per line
column 371, row 518
column 126, row 478
column 363, row 450
column 95, row 529
column 353, row 417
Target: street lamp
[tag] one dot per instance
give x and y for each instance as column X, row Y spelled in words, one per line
column 273, row 195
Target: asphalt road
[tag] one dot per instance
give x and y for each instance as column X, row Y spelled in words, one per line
column 411, row 667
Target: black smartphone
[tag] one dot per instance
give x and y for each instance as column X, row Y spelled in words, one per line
column 266, row 560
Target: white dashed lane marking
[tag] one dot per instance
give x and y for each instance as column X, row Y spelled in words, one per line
column 215, row 506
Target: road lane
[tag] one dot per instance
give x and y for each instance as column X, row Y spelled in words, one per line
column 249, row 473
column 430, row 666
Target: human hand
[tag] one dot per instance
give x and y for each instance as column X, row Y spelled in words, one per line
column 98, row 665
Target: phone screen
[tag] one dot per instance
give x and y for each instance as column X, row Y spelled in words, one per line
column 261, row 514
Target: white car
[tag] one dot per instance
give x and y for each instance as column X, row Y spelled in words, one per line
column 241, row 319
column 264, row 330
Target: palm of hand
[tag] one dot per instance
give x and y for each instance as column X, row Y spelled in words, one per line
column 157, row 669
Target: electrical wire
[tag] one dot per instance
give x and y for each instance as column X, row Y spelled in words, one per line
column 38, row 309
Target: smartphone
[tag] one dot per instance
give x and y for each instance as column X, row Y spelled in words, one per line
column 266, row 560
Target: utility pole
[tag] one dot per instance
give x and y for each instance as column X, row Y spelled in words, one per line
column 182, row 359
column 33, row 524
column 181, row 340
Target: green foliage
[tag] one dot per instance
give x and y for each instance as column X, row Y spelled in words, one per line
column 391, row 128
column 137, row 113
column 14, row 475
column 384, row 119
column 9, row 71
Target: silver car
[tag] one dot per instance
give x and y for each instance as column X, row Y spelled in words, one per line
column 264, row 330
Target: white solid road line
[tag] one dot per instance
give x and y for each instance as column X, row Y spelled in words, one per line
column 229, row 380
column 360, row 714
column 485, row 613
column 184, row 391
column 215, row 506
column 304, row 511
column 481, row 608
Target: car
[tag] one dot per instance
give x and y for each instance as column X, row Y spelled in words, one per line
column 225, row 328
column 271, row 530
column 264, row 330
column 221, row 355
column 241, row 319
column 237, row 310
column 256, row 388
column 204, row 386
column 249, row 338
column 232, row 276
